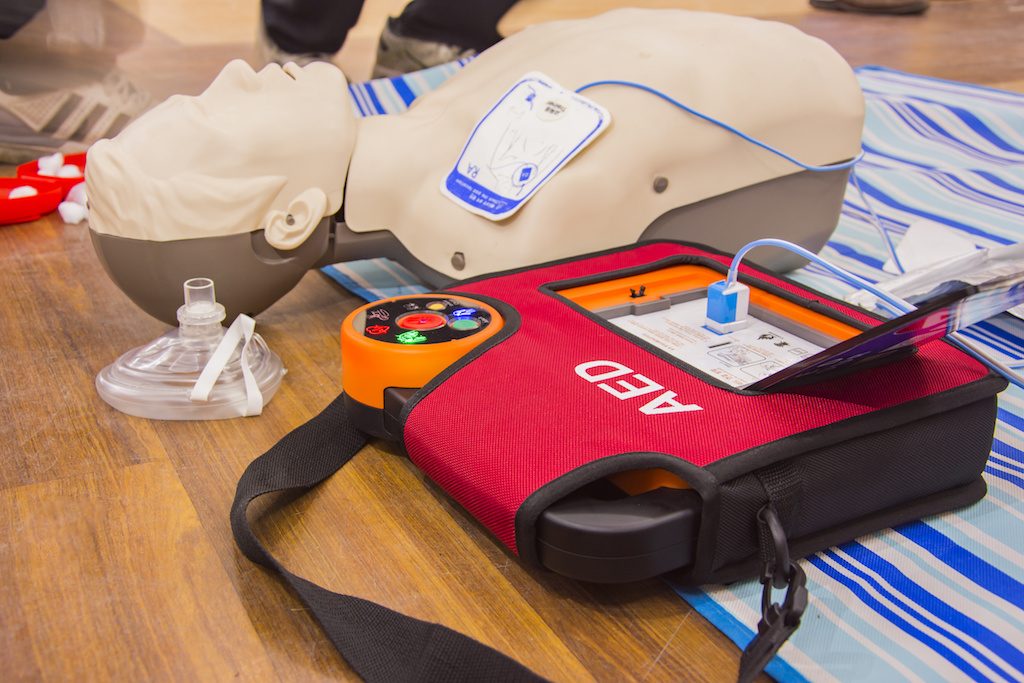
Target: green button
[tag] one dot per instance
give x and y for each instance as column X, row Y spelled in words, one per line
column 411, row 337
column 464, row 324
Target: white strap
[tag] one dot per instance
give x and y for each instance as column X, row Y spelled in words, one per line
column 242, row 328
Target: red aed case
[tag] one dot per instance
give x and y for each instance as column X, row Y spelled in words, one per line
column 599, row 402
column 599, row 455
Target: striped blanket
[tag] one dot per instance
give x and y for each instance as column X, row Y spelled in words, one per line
column 942, row 598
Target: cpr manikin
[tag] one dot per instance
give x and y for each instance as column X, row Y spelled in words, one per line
column 249, row 168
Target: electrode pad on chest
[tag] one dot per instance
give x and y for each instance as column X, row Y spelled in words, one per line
column 533, row 130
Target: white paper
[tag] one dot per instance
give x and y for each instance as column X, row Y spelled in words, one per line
column 737, row 359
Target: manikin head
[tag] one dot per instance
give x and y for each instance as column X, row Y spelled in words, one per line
column 256, row 150
column 233, row 185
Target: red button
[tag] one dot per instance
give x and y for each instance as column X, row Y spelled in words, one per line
column 421, row 321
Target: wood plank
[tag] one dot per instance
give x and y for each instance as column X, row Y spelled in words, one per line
column 198, row 23
column 975, row 42
column 111, row 578
column 356, row 533
column 527, row 12
column 63, row 321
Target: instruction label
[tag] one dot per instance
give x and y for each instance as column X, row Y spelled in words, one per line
column 533, row 131
column 738, row 358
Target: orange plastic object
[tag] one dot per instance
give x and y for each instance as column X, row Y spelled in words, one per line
column 635, row 482
column 25, row 209
column 369, row 366
column 30, row 170
column 674, row 279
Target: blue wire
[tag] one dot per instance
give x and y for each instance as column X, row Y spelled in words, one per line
column 735, row 131
column 832, row 167
column 970, row 350
column 897, row 305
column 878, row 224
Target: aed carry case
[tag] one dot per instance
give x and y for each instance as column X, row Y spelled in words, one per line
column 610, row 448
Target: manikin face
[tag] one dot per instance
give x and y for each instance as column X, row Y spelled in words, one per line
column 258, row 138
column 277, row 118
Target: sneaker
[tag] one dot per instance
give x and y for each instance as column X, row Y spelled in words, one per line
column 874, row 6
column 270, row 53
column 69, row 120
column 397, row 55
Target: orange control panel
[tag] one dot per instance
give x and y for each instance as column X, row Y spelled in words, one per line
column 407, row 341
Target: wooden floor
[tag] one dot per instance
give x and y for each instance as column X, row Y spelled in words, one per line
column 116, row 556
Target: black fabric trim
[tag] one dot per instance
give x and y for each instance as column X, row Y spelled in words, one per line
column 697, row 259
column 682, row 243
column 914, row 510
column 698, row 478
column 741, row 463
column 705, row 481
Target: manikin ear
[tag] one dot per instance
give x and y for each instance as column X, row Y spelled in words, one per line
column 289, row 228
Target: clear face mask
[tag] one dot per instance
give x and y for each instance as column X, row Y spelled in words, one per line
column 199, row 371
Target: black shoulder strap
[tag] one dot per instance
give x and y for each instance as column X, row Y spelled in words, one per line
column 378, row 643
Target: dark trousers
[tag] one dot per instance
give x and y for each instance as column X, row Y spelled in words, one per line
column 304, row 26
column 16, row 13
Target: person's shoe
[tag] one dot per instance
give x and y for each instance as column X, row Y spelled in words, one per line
column 68, row 120
column 397, row 55
column 874, row 6
column 270, row 53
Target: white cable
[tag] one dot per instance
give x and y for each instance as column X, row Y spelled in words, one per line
column 896, row 303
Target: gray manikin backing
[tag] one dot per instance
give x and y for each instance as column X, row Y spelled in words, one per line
column 252, row 275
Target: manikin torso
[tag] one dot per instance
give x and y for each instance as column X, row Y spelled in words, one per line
column 767, row 79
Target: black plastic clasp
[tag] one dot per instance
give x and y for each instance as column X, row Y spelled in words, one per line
column 787, row 615
column 776, row 565
column 778, row 622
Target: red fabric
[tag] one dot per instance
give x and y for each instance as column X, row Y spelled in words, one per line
column 519, row 416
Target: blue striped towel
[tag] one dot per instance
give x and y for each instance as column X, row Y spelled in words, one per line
column 941, row 598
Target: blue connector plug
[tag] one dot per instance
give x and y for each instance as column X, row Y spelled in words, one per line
column 727, row 306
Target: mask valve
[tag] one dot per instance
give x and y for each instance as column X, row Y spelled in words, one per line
column 198, row 371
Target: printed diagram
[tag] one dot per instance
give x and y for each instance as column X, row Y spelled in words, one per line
column 762, row 369
column 737, row 355
column 738, row 359
column 524, row 151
